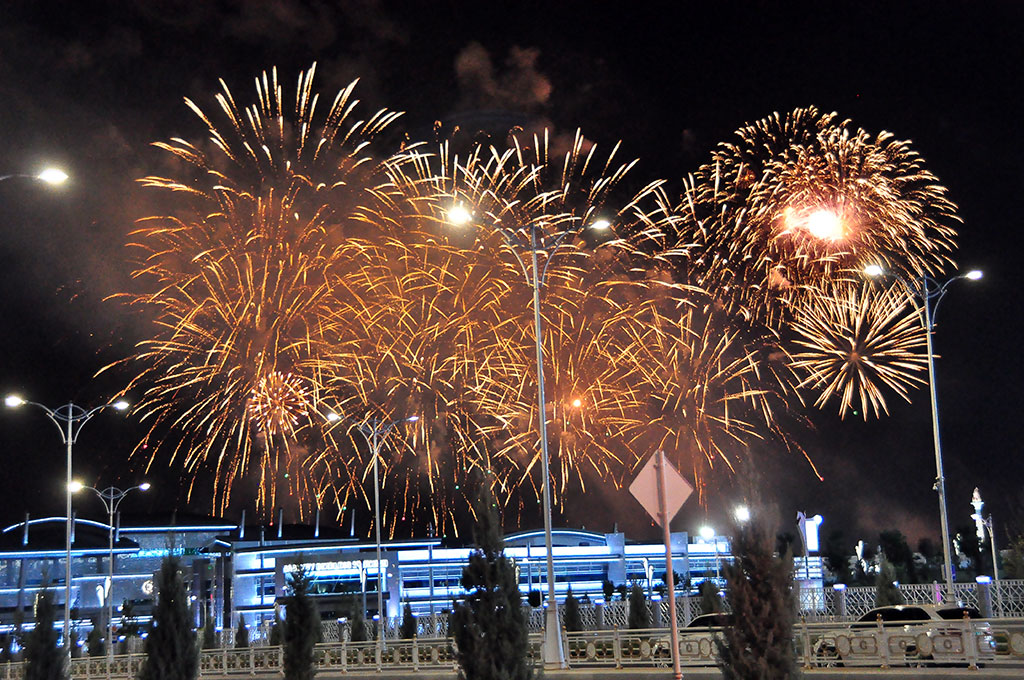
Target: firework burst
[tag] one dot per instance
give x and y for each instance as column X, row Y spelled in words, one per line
column 240, row 277
column 803, row 198
column 858, row 342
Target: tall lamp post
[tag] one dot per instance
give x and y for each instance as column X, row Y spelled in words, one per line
column 374, row 431
column 554, row 654
column 69, row 419
column 111, row 497
column 925, row 293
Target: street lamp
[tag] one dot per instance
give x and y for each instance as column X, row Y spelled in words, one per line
column 554, row 653
column 52, row 176
column 742, row 514
column 983, row 523
column 925, row 293
column 374, row 431
column 69, row 419
column 111, row 497
column 708, row 534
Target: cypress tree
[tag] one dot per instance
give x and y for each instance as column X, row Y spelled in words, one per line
column 489, row 625
column 408, row 628
column 171, row 650
column 44, row 660
column 759, row 643
column 301, row 627
column 241, row 633
column 209, row 634
column 710, row 601
column 639, row 614
column 275, row 630
column 886, row 591
column 357, row 625
column 94, row 644
column 573, row 620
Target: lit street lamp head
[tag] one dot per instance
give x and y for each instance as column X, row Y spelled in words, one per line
column 742, row 514
column 825, row 224
column 52, row 176
column 974, row 274
column 120, row 405
column 874, row 270
column 707, row 533
column 13, row 401
column 145, row 486
column 75, row 486
column 601, row 224
column 459, row 216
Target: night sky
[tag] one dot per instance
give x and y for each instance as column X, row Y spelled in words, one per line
column 88, row 85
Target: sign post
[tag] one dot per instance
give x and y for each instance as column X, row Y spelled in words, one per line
column 662, row 491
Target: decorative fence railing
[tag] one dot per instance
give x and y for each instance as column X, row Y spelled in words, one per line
column 968, row 643
column 998, row 599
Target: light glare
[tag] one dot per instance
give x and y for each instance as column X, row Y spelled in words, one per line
column 459, row 216
column 825, row 224
column 145, row 486
column 974, row 274
column 75, row 486
column 874, row 270
column 53, row 176
column 13, row 401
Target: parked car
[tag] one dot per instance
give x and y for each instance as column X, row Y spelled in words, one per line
column 912, row 633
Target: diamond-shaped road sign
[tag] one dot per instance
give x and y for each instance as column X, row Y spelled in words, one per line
column 645, row 488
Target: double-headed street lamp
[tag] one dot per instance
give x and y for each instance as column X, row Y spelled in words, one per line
column 554, row 654
column 111, row 497
column 925, row 293
column 374, row 430
column 69, row 419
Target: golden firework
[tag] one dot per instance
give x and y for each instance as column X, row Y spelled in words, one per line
column 857, row 342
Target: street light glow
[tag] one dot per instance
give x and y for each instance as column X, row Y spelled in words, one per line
column 707, row 533
column 459, row 216
column 75, row 486
column 145, row 486
column 742, row 514
column 120, row 404
column 332, row 417
column 974, row 274
column 576, row 403
column 601, row 224
column 13, row 401
column 53, row 176
column 825, row 224
column 874, row 270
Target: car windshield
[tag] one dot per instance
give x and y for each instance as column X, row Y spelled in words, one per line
column 896, row 614
column 709, row 620
column 957, row 613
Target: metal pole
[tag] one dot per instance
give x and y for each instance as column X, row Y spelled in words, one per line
column 670, row 576
column 554, row 654
column 376, row 524
column 940, row 480
column 68, row 530
column 110, row 588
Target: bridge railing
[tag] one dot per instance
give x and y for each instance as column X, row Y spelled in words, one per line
column 966, row 643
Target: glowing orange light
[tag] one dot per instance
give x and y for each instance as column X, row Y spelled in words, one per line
column 576, row 403
column 825, row 224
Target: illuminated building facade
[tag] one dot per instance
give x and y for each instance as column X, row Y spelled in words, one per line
column 242, row 570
